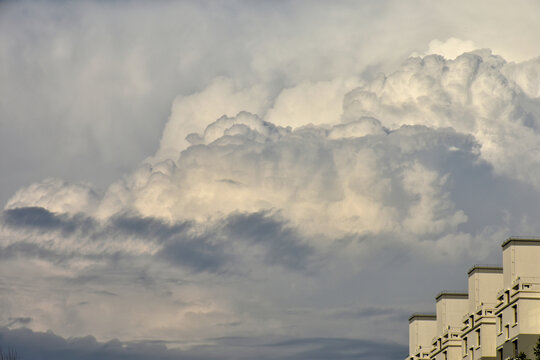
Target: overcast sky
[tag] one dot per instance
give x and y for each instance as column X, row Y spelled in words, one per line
column 269, row 179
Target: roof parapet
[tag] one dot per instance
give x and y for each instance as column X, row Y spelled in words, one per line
column 485, row 268
column 422, row 316
column 529, row 240
column 451, row 295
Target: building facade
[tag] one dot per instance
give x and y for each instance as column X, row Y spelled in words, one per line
column 422, row 329
column 498, row 318
column 518, row 302
column 478, row 330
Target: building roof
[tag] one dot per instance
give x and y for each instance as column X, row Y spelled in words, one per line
column 517, row 240
column 451, row 295
column 485, row 269
column 421, row 316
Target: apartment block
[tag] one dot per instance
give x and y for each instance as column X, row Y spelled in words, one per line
column 479, row 329
column 518, row 302
column 498, row 318
column 450, row 308
column 422, row 329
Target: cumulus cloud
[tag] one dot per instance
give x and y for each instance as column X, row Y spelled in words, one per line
column 451, row 48
column 477, row 93
column 112, row 94
column 327, row 181
column 57, row 195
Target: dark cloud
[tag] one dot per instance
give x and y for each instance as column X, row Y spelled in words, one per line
column 206, row 252
column 340, row 348
column 146, row 227
column 195, row 253
column 40, row 219
column 47, row 345
column 19, row 321
column 198, row 254
column 284, row 246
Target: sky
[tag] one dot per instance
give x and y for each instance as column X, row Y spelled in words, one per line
column 269, row 179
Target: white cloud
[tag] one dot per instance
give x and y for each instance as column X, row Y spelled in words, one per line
column 470, row 94
column 450, row 48
column 192, row 113
column 56, row 195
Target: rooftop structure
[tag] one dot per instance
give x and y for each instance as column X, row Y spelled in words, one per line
column 496, row 319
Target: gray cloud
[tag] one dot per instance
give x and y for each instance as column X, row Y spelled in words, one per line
column 40, row 219
column 19, row 321
column 284, row 246
column 45, row 346
column 328, row 348
column 198, row 254
column 281, row 245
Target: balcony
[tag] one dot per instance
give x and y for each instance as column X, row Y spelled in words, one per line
column 472, row 320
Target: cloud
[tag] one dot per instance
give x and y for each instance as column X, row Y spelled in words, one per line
column 318, row 348
column 474, row 94
column 19, row 321
column 284, row 245
column 180, row 243
column 371, row 312
column 40, row 219
column 113, row 94
column 47, row 345
column 451, row 48
column 319, row 178
column 56, row 195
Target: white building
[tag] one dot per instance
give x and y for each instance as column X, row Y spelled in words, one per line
column 422, row 329
column 478, row 331
column 450, row 307
column 497, row 319
column 518, row 305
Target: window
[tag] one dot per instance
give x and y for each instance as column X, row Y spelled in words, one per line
column 472, row 354
column 515, row 311
column 507, row 296
column 445, row 354
column 465, row 347
column 507, row 331
column 478, row 337
column 515, row 343
column 500, row 354
column 499, row 323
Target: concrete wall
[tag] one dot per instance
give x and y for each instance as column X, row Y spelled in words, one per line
column 484, row 283
column 520, row 259
column 451, row 307
column 422, row 329
column 526, row 344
